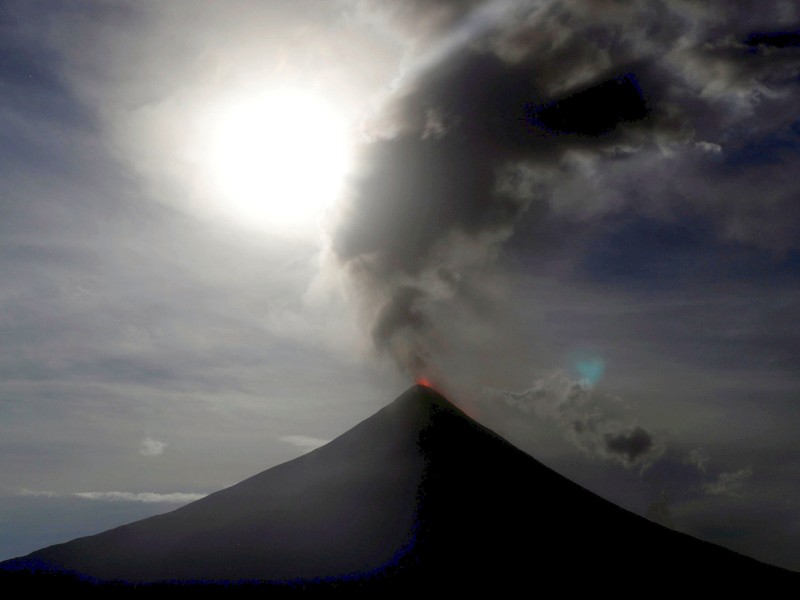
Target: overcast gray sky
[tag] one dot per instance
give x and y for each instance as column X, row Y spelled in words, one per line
column 231, row 231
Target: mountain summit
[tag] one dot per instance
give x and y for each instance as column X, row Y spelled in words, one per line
column 417, row 494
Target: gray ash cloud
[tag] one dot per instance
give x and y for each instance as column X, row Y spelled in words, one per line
column 555, row 111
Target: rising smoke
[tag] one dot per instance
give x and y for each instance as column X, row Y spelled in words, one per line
column 510, row 116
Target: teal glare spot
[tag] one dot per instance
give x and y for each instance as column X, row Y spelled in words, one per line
column 590, row 368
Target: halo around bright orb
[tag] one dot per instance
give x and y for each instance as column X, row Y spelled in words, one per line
column 278, row 159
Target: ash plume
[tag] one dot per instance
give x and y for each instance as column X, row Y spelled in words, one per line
column 510, row 117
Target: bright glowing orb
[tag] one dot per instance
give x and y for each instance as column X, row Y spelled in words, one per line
column 278, row 159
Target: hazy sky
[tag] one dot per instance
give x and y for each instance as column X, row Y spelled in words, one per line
column 232, row 230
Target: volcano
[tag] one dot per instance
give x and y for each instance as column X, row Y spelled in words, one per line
column 418, row 495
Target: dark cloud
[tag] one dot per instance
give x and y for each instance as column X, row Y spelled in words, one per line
column 774, row 39
column 595, row 111
column 631, row 445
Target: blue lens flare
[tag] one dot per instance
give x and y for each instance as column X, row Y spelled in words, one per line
column 589, row 367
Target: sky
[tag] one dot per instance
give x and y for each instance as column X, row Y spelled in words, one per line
column 231, row 231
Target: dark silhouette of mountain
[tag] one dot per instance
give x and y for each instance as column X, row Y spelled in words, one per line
column 418, row 496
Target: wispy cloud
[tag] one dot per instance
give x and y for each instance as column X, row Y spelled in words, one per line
column 304, row 442
column 729, row 483
column 588, row 418
column 146, row 497
column 37, row 493
column 699, row 457
column 151, row 447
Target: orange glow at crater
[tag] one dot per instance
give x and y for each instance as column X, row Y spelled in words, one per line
column 428, row 384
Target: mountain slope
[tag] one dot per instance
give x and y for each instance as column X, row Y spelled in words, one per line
column 418, row 494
